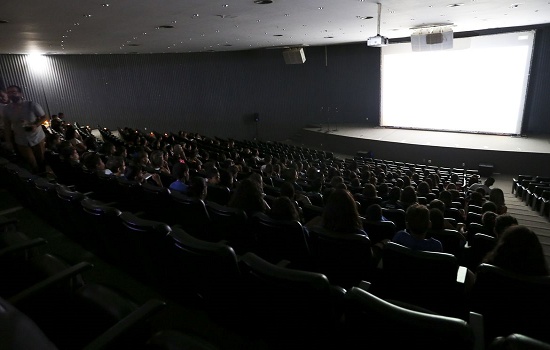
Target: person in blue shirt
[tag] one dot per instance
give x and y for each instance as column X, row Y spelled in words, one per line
column 181, row 172
column 414, row 237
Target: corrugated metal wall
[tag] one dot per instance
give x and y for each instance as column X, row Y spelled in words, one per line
column 211, row 93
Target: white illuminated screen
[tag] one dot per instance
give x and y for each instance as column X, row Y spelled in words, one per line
column 477, row 86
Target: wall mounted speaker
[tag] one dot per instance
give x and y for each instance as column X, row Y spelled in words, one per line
column 294, row 55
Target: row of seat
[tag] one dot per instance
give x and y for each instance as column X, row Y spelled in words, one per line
column 534, row 191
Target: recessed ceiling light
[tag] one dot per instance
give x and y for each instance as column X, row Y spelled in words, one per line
column 105, row 5
column 263, row 2
column 328, row 37
column 225, row 5
column 364, row 17
column 165, row 27
column 87, row 16
column 134, row 44
column 514, row 6
column 455, row 5
column 3, row 21
column 195, row 15
column 277, row 34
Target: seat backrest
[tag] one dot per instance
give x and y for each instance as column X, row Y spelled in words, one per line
column 371, row 322
column 512, row 303
column 99, row 220
column 420, row 278
column 452, row 241
column 140, row 246
column 284, row 302
column 277, row 240
column 517, row 341
column 379, row 230
column 191, row 214
column 397, row 216
column 480, row 246
column 229, row 224
column 18, row 331
column 204, row 270
column 345, row 259
column 218, row 194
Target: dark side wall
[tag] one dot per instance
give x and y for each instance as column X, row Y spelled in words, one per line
column 215, row 94
column 218, row 93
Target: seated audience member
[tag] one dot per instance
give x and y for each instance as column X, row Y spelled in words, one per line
column 158, row 163
column 212, row 175
column 476, row 198
column 72, row 135
column 93, row 162
column 181, row 172
column 340, row 214
column 284, row 209
column 197, row 188
column 115, row 166
column 291, row 175
column 287, row 189
column 418, row 223
column 486, row 186
column 107, row 150
column 226, row 179
column 134, row 172
column 439, row 223
column 519, row 250
column 393, row 199
column 374, row 213
column 69, row 154
column 488, row 220
column 496, row 195
column 502, row 222
column 488, row 206
column 248, row 196
column 408, row 197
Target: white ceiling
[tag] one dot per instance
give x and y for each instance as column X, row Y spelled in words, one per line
column 132, row 26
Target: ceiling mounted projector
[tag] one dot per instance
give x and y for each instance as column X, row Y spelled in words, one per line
column 378, row 40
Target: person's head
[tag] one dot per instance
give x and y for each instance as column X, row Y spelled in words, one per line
column 437, row 204
column 489, row 206
column 408, row 195
column 336, row 180
column 417, row 219
column 497, row 196
column 488, row 221
column 290, row 174
column 369, row 191
column 502, row 222
column 476, row 198
column 181, row 172
column 394, row 194
column 287, row 190
column 134, row 172
column 489, row 182
column 226, row 178
column 257, row 178
column 116, row 164
column 142, row 158
column 156, row 159
column 93, row 162
column 447, row 198
column 4, row 99
column 212, row 175
column 437, row 218
column 373, row 212
column 108, row 149
column 197, row 188
column 248, row 197
column 519, row 250
column 284, row 209
column 423, row 189
column 69, row 153
column 340, row 213
column 15, row 93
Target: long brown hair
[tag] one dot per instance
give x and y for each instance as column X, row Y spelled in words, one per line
column 340, row 214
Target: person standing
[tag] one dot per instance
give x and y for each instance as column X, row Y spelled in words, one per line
column 23, row 125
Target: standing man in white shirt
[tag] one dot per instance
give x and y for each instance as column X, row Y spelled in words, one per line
column 24, row 119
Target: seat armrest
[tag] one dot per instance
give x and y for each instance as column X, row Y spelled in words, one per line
column 283, row 263
column 22, row 246
column 48, row 282
column 461, row 274
column 476, row 322
column 127, row 323
column 5, row 222
column 364, row 285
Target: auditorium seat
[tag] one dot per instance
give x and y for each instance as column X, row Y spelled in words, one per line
column 422, row 278
column 511, row 303
column 372, row 322
column 397, row 216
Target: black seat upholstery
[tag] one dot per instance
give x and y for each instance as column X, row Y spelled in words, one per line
column 426, row 279
column 453, row 241
column 379, row 230
column 290, row 305
column 371, row 322
column 397, row 216
column 511, row 303
column 277, row 240
column 479, row 247
column 204, row 271
column 345, row 259
column 517, row 341
column 190, row 214
column 229, row 224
